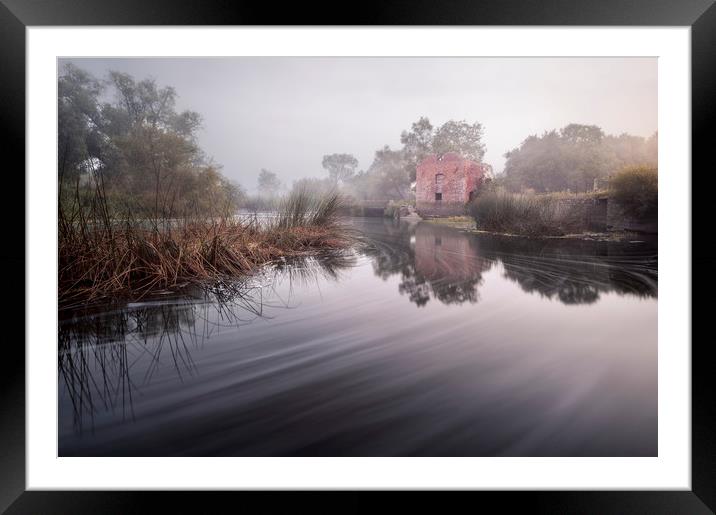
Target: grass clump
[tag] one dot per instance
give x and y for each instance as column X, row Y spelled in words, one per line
column 636, row 189
column 103, row 257
column 530, row 215
column 304, row 209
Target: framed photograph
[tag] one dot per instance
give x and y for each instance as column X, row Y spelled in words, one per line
column 414, row 249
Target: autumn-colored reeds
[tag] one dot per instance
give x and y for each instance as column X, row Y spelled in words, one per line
column 105, row 257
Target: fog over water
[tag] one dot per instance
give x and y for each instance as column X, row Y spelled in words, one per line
column 285, row 113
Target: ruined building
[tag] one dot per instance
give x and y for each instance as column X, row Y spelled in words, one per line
column 446, row 184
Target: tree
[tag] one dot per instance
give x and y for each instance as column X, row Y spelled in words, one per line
column 389, row 174
column 537, row 164
column 141, row 152
column 573, row 157
column 78, row 120
column 636, row 189
column 585, row 155
column 460, row 137
column 269, row 183
column 582, row 134
column 417, row 144
column 340, row 167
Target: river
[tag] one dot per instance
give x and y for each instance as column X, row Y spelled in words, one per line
column 425, row 341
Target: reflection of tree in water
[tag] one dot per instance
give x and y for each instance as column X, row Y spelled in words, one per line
column 446, row 264
column 432, row 261
column 100, row 350
column 576, row 271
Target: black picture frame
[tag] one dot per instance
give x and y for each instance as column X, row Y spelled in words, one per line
column 16, row 15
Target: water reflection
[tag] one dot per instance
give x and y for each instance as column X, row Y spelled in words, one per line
column 106, row 355
column 442, row 263
column 432, row 261
column 330, row 357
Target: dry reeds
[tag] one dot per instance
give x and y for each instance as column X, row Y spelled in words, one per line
column 530, row 215
column 103, row 257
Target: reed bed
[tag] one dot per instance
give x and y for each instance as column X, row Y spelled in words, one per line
column 529, row 215
column 101, row 257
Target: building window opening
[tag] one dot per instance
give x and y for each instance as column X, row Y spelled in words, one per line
column 439, row 186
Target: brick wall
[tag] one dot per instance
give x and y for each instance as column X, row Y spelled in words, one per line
column 443, row 185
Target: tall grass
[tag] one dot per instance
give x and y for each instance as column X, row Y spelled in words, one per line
column 302, row 208
column 531, row 215
column 105, row 256
column 636, row 188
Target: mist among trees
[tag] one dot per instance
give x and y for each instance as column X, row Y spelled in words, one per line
column 573, row 157
column 392, row 171
column 136, row 147
column 126, row 136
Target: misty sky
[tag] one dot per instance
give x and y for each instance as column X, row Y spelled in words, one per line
column 285, row 113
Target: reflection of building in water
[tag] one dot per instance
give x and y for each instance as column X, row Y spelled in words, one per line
column 438, row 262
column 443, row 254
column 447, row 265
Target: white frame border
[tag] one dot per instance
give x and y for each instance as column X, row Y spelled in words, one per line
column 670, row 470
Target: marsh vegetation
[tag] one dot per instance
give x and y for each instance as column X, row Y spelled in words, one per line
column 143, row 211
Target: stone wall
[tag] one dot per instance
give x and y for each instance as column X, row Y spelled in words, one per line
column 601, row 214
column 581, row 214
column 618, row 220
column 438, row 209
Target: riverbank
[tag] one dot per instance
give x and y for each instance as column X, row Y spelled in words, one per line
column 467, row 224
column 104, row 260
column 135, row 264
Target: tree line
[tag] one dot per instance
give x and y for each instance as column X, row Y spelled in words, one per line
column 126, row 137
column 568, row 159
column 390, row 174
column 572, row 158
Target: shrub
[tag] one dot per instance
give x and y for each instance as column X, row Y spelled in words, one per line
column 304, row 208
column 500, row 211
column 636, row 189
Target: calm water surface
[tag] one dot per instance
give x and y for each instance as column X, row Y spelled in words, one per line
column 427, row 341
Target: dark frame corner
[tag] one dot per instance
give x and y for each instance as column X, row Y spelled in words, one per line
column 17, row 15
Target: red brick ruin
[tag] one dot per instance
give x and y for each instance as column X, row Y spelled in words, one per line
column 446, row 184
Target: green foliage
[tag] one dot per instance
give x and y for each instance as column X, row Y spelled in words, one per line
column 392, row 171
column 138, row 151
column 530, row 215
column 417, row 144
column 572, row 158
column 460, row 137
column 636, row 189
column 386, row 178
column 78, row 114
